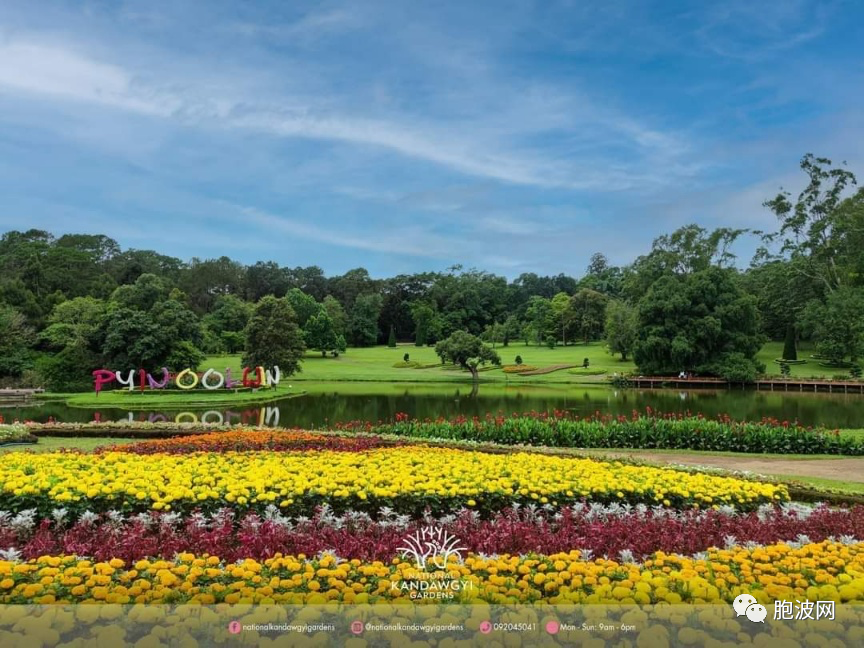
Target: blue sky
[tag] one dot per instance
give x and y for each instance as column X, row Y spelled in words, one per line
column 405, row 136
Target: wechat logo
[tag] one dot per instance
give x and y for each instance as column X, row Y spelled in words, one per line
column 431, row 546
column 745, row 604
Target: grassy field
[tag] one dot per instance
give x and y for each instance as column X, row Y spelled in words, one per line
column 773, row 350
column 377, row 364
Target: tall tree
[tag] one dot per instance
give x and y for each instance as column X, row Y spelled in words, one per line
column 702, row 322
column 273, row 337
column 622, row 327
column 588, row 313
column 363, row 328
column 16, row 340
column 818, row 225
column 320, row 334
column 336, row 314
column 304, row 305
column 838, row 324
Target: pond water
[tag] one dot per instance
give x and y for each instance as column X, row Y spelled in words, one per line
column 337, row 402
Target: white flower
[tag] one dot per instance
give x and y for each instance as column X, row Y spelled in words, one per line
column 730, row 541
column 88, row 517
column 24, row 521
column 59, row 515
column 11, row 554
column 627, row 556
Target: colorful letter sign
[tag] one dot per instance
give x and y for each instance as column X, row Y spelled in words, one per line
column 187, row 379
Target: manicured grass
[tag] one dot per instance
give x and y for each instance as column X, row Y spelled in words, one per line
column 376, row 364
column 49, row 444
column 773, row 350
column 818, row 483
column 179, row 399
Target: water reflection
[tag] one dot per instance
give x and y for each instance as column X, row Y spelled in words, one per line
column 331, row 403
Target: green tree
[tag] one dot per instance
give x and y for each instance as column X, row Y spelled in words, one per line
column 821, row 224
column 425, row 323
column 562, row 314
column 363, row 328
column 16, row 339
column 391, row 340
column 701, row 322
column 510, row 330
column 539, row 318
column 224, row 327
column 838, row 325
column 320, row 333
column 466, row 350
column 75, row 323
column 273, row 337
column 337, row 314
column 144, row 294
column 303, row 305
column 622, row 327
column 790, row 352
column 588, row 313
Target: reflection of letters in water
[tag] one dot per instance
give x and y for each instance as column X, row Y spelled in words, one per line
column 263, row 416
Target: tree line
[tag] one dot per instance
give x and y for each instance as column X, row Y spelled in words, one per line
column 72, row 303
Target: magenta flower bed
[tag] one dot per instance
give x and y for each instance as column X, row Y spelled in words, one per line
column 513, row 532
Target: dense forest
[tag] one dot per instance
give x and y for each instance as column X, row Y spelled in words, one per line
column 76, row 302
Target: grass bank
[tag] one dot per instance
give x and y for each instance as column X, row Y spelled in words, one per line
column 166, row 400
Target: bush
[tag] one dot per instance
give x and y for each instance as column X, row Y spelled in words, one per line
column 785, row 370
column 391, row 341
column 736, row 367
column 856, row 372
column 586, row 363
column 518, row 359
column 551, row 342
column 652, row 430
column 15, row 433
column 406, row 357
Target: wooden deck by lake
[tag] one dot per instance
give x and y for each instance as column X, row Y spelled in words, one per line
column 775, row 385
column 18, row 395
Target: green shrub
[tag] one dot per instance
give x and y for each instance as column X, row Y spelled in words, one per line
column 673, row 431
column 518, row 359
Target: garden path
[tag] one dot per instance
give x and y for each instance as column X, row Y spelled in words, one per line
column 843, row 469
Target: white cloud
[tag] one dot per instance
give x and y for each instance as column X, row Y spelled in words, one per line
column 478, row 143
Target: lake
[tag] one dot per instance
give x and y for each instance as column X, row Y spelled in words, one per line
column 339, row 402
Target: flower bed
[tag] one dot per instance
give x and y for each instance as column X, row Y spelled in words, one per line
column 244, row 440
column 15, row 433
column 517, row 369
column 408, row 479
column 649, row 430
column 615, row 531
column 820, row 571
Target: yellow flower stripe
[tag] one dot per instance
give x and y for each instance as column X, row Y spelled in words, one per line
column 265, row 477
column 820, row 571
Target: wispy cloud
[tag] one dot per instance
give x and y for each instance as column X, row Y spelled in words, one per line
column 488, row 149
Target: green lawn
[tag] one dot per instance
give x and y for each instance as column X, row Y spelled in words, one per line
column 376, row 364
column 818, row 483
column 773, row 350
